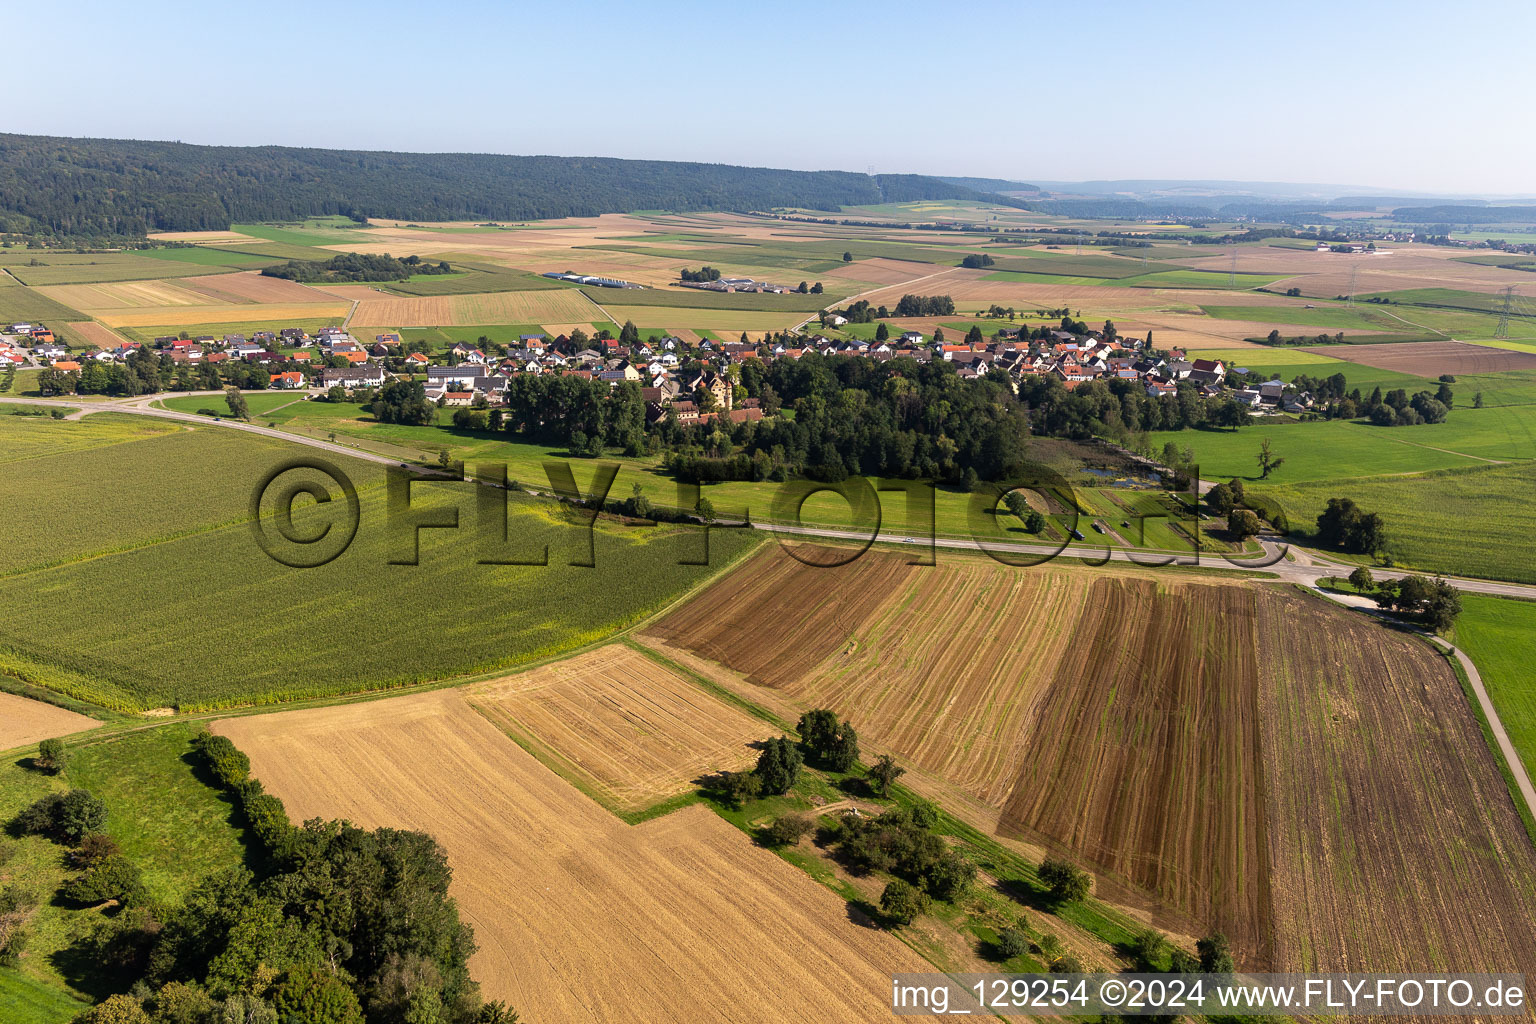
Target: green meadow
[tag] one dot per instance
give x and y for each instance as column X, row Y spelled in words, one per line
column 155, row 807
column 1474, row 521
column 1496, row 633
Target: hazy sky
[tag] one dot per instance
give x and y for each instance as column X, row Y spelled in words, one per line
column 1404, row 94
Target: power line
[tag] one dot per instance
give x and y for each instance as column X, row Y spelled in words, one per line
column 1352, row 272
column 1502, row 330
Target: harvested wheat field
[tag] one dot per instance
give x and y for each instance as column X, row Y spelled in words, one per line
column 532, row 307
column 24, row 721
column 249, row 286
column 578, row 916
column 201, row 236
column 1431, row 358
column 161, row 316
column 633, row 731
column 122, row 295
column 1156, row 725
column 97, row 335
column 883, row 271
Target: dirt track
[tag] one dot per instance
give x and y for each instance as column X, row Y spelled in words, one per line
column 578, row 916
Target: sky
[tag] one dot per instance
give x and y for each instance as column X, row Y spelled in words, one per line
column 1406, row 95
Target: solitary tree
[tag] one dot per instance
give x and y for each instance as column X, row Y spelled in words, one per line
column 1064, row 882
column 847, row 257
column 236, row 402
column 705, row 509
column 51, row 756
column 789, row 829
column 1362, row 580
column 1268, row 461
column 885, row 772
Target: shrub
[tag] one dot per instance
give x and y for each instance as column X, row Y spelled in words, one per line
column 902, row 902
column 51, row 756
column 1064, row 883
column 1066, row 965
column 115, row 878
column 1012, row 942
column 119, row 1009
column 885, row 772
column 740, row 788
column 93, row 849
column 1215, row 954
column 789, row 829
column 1148, row 947
column 63, row 817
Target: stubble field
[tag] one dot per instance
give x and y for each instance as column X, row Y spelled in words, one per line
column 1156, row 726
column 580, row 917
column 634, row 731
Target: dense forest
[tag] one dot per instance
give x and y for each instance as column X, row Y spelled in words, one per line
column 354, row 266
column 120, row 188
column 1466, row 214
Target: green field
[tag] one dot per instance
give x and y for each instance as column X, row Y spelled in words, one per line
column 276, row 250
column 155, row 808
column 1469, row 522
column 27, row 1000
column 1323, row 450
column 259, row 403
column 18, row 303
column 108, row 267
column 1085, row 265
column 1496, row 633
column 475, row 282
column 115, row 481
column 1334, row 317
column 206, row 619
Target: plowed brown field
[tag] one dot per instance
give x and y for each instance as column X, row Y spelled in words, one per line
column 24, row 721
column 630, row 728
column 580, row 917
column 1249, row 758
column 1431, row 358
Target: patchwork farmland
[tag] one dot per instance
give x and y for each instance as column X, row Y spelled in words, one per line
column 1155, row 727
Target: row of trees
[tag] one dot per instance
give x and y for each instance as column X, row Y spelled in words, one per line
column 1433, row 603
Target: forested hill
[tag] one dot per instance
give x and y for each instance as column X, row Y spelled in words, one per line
column 113, row 187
